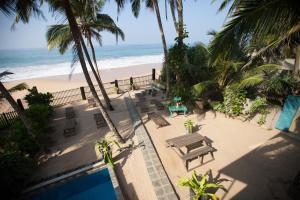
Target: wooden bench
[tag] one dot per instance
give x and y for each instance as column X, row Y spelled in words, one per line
column 199, row 153
column 69, row 129
column 69, row 112
column 100, row 121
column 157, row 119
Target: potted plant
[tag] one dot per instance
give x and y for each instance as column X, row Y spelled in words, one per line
column 202, row 189
column 188, row 124
column 104, row 146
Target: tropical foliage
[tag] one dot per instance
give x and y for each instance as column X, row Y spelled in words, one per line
column 203, row 189
column 105, row 148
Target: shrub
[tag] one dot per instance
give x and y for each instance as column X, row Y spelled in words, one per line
column 234, row 101
column 15, row 169
column 39, row 115
column 19, row 140
column 35, row 97
column 259, row 106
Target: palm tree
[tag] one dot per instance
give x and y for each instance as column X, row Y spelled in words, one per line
column 180, row 22
column 66, row 7
column 14, row 104
column 153, row 5
column 60, row 36
column 255, row 20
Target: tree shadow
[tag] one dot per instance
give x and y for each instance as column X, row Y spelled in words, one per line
column 266, row 168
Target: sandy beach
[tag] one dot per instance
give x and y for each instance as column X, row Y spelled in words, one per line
column 65, row 82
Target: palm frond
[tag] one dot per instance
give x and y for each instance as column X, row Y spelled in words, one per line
column 5, row 73
column 59, row 36
column 20, row 86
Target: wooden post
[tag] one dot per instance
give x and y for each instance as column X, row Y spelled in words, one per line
column 19, row 102
column 82, row 93
column 131, row 83
column 117, row 86
column 35, row 88
column 153, row 74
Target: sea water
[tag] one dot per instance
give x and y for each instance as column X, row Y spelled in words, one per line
column 36, row 63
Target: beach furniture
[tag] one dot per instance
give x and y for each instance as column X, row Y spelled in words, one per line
column 69, row 112
column 197, row 154
column 91, row 102
column 158, row 104
column 99, row 119
column 196, row 147
column 288, row 113
column 144, row 108
column 69, row 129
column 157, row 119
column 177, row 109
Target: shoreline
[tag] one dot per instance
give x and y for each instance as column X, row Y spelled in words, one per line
column 62, row 82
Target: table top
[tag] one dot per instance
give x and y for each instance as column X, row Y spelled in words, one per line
column 179, row 108
column 185, row 140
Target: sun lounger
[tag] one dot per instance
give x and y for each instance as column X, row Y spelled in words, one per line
column 69, row 129
column 144, row 108
column 199, row 153
column 100, row 121
column 91, row 102
column 158, row 104
column 157, row 119
column 69, row 112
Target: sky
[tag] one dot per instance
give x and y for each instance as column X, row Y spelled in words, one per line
column 200, row 16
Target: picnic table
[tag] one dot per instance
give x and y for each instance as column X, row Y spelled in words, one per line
column 70, row 113
column 181, row 108
column 185, row 140
column 194, row 145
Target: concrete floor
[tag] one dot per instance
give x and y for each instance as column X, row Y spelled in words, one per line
column 253, row 159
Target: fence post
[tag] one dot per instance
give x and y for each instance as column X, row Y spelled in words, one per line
column 35, row 88
column 131, row 83
column 117, row 86
column 82, row 93
column 153, row 74
column 5, row 118
column 19, row 102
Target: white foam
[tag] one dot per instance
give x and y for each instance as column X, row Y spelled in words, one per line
column 39, row 71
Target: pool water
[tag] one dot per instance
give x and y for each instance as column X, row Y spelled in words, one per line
column 94, row 186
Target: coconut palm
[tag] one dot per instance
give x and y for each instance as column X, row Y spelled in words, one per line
column 14, row 104
column 60, row 36
column 258, row 19
column 152, row 5
column 65, row 7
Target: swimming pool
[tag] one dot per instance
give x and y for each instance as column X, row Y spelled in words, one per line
column 93, row 186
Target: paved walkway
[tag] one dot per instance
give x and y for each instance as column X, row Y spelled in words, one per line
column 160, row 181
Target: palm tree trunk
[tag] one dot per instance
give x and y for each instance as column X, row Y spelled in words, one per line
column 76, row 36
column 15, row 106
column 102, row 89
column 172, row 8
column 93, row 54
column 163, row 39
column 297, row 63
column 180, row 21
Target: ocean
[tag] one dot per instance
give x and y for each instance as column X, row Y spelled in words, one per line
column 37, row 63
